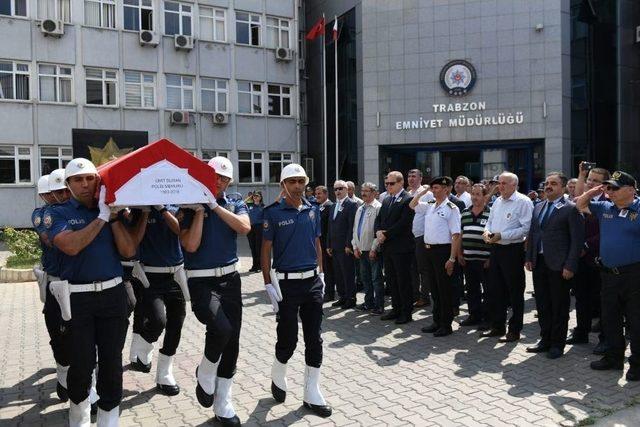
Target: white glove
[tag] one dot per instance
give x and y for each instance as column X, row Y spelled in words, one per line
column 105, row 211
column 213, row 205
column 196, row 207
column 273, row 296
column 158, row 207
column 321, row 276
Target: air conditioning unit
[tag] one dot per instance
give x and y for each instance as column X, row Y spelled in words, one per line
column 52, row 27
column 284, row 54
column 183, row 42
column 301, row 64
column 179, row 118
column 220, row 118
column 148, row 38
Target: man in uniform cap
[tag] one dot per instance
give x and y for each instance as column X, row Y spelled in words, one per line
column 441, row 240
column 620, row 265
column 296, row 285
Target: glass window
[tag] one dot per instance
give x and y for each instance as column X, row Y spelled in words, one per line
column 277, row 161
column 100, row 13
column 278, row 32
column 14, row 80
column 248, row 28
column 279, row 100
column 13, row 7
column 250, row 97
column 177, row 18
column 213, row 24
column 213, row 93
column 52, row 158
column 15, row 164
column 139, row 89
column 102, row 87
column 55, row 83
column 250, row 167
column 138, row 15
column 179, row 92
column 55, row 9
column 210, row 154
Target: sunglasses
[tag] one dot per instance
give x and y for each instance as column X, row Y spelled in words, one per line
column 388, row 184
column 338, row 189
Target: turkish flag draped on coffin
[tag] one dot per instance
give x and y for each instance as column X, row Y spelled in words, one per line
column 160, row 173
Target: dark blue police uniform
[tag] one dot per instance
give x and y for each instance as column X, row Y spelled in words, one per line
column 160, row 247
column 99, row 319
column 293, row 234
column 255, row 235
column 59, row 330
column 216, row 300
column 620, row 260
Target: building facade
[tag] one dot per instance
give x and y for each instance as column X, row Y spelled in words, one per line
column 476, row 87
column 218, row 77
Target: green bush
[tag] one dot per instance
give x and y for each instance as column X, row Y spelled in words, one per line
column 23, row 244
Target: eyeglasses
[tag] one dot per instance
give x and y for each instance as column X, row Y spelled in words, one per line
column 338, row 189
column 389, row 184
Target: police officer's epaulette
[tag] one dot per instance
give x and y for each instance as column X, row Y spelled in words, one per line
column 272, row 205
column 431, row 201
column 451, row 204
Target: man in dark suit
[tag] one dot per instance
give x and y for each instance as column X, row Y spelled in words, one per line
column 339, row 247
column 555, row 240
column 393, row 231
column 325, row 205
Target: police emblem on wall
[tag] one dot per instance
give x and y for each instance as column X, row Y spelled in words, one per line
column 458, row 77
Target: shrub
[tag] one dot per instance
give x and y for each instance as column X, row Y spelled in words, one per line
column 23, row 244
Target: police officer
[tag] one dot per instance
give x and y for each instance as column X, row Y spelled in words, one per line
column 209, row 237
column 292, row 229
column 59, row 331
column 620, row 265
column 91, row 241
column 163, row 300
column 442, row 243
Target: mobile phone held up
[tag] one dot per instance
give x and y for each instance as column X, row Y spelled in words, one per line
column 588, row 165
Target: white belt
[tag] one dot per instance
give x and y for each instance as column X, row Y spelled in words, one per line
column 128, row 263
column 213, row 272
column 299, row 275
column 95, row 286
column 150, row 269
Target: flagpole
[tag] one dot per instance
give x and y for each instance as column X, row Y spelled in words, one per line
column 335, row 66
column 324, row 103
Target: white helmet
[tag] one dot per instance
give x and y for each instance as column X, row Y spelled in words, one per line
column 79, row 166
column 293, row 170
column 43, row 185
column 222, row 166
column 56, row 180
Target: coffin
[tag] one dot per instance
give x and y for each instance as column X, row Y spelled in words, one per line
column 160, row 173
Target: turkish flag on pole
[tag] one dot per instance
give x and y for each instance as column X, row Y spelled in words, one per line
column 316, row 30
column 334, row 32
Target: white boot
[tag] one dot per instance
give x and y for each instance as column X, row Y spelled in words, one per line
column 145, row 351
column 313, row 398
column 222, row 406
column 80, row 414
column 61, row 386
column 93, row 392
column 108, row 418
column 142, row 354
column 279, row 380
column 164, row 376
column 133, row 352
column 206, row 373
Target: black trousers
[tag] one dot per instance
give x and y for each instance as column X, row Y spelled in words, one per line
column 164, row 307
column 586, row 286
column 418, row 271
column 304, row 298
column 553, row 302
column 138, row 291
column 255, row 243
column 621, row 299
column 506, row 285
column 475, row 276
column 329, row 277
column 397, row 271
column 441, row 284
column 59, row 330
column 217, row 304
column 98, row 322
column 344, row 273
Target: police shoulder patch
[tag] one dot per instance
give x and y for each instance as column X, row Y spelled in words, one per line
column 47, row 220
column 265, row 223
column 37, row 220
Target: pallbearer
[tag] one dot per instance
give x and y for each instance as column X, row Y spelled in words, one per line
column 296, row 285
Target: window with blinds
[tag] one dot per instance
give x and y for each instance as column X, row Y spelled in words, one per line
column 139, row 89
column 100, row 13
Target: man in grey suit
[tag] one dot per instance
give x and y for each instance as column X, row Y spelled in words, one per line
column 555, row 240
column 339, row 247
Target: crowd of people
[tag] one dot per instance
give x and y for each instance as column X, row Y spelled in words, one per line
column 426, row 245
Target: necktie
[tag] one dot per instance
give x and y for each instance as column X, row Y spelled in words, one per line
column 360, row 221
column 335, row 212
column 546, row 214
column 393, row 199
